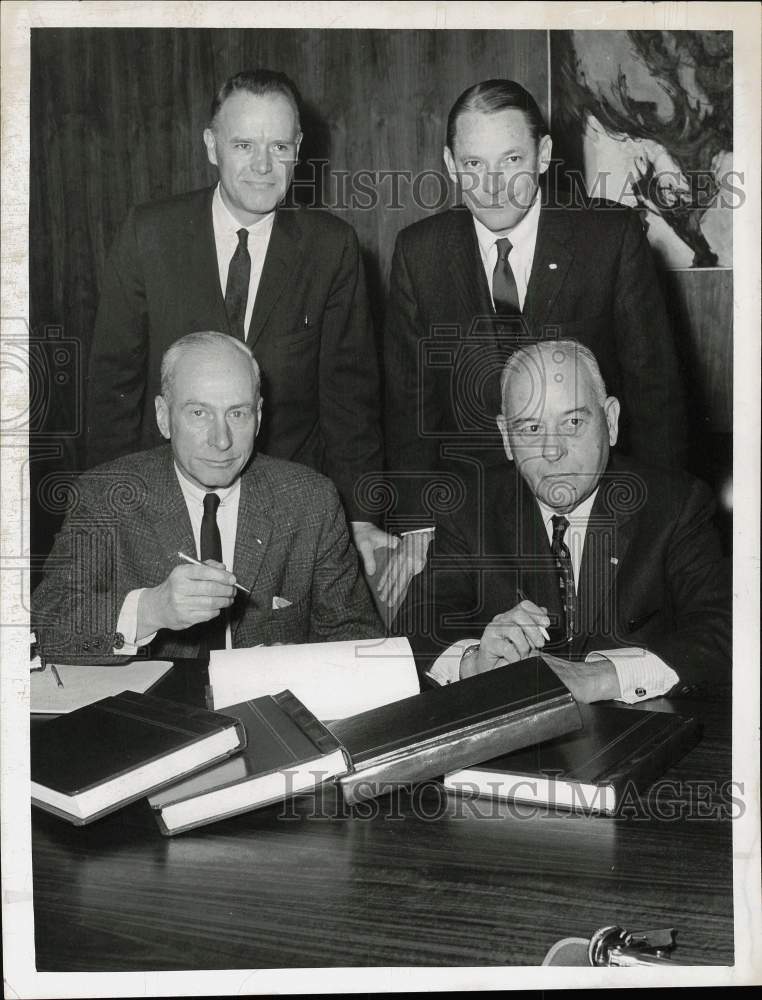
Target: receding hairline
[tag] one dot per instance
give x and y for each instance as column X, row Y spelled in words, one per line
column 258, row 83
column 208, row 341
column 526, row 358
column 492, row 96
column 214, row 122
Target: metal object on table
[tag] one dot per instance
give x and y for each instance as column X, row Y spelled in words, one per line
column 614, row 946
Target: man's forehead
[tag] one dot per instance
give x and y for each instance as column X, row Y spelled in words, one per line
column 506, row 124
column 212, row 375
column 243, row 105
column 555, row 380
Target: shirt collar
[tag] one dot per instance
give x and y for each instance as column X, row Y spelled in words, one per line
column 194, row 494
column 225, row 222
column 578, row 517
column 522, row 232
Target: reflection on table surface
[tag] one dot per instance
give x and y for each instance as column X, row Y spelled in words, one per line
column 418, row 877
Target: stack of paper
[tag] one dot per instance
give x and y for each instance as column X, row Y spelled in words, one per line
column 334, row 679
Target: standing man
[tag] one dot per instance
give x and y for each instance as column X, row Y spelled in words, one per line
column 289, row 282
column 470, row 284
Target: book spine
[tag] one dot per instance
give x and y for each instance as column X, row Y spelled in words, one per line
column 450, row 754
column 311, row 726
column 655, row 757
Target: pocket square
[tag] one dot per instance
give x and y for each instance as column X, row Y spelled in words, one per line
column 280, row 602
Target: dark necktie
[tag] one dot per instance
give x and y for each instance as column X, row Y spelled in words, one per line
column 565, row 574
column 504, row 290
column 237, row 289
column 211, row 548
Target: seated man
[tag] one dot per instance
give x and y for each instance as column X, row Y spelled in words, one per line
column 612, row 566
column 275, row 563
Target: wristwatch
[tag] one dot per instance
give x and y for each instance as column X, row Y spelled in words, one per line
column 469, row 651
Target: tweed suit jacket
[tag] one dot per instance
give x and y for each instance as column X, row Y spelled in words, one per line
column 593, row 280
column 652, row 573
column 310, row 331
column 128, row 520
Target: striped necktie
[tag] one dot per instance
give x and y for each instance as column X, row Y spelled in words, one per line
column 565, row 573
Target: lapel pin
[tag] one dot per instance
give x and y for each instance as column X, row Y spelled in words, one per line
column 614, row 561
column 552, row 267
column 259, row 541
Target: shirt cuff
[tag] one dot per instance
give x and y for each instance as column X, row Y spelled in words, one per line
column 128, row 625
column 641, row 674
column 446, row 667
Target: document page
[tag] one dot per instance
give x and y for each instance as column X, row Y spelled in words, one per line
column 63, row 688
column 333, row 679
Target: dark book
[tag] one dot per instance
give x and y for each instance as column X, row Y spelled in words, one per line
column 587, row 770
column 100, row 757
column 288, row 751
column 450, row 727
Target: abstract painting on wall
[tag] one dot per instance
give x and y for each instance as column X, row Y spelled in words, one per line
column 646, row 118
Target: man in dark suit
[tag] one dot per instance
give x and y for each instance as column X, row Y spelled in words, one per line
column 510, row 265
column 610, row 564
column 288, row 281
column 115, row 580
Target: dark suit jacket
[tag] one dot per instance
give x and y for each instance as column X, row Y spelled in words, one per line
column 320, row 384
column 652, row 572
column 592, row 279
column 128, row 519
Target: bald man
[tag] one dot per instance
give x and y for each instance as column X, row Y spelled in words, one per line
column 612, row 566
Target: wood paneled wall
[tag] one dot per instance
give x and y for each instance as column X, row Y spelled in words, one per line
column 117, row 117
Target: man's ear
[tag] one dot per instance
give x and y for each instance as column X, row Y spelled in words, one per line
column 611, row 409
column 211, row 146
column 162, row 416
column 449, row 160
column 502, row 426
column 259, row 417
column 544, row 150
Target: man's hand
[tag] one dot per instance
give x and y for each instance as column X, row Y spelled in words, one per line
column 587, row 682
column 510, row 637
column 189, row 595
column 408, row 560
column 367, row 538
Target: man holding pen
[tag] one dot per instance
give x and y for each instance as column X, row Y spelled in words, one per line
column 202, row 543
column 612, row 566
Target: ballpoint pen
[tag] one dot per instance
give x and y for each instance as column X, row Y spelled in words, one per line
column 197, row 562
column 523, row 597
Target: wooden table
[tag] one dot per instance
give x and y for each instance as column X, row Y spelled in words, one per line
column 417, row 878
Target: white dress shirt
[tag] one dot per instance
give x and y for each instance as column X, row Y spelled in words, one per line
column 227, row 522
column 523, row 238
column 226, row 228
column 641, row 673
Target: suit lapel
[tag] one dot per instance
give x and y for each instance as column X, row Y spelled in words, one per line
column 522, row 532
column 170, row 514
column 284, row 259
column 464, row 265
column 252, row 538
column 552, row 256
column 203, row 267
column 609, row 534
